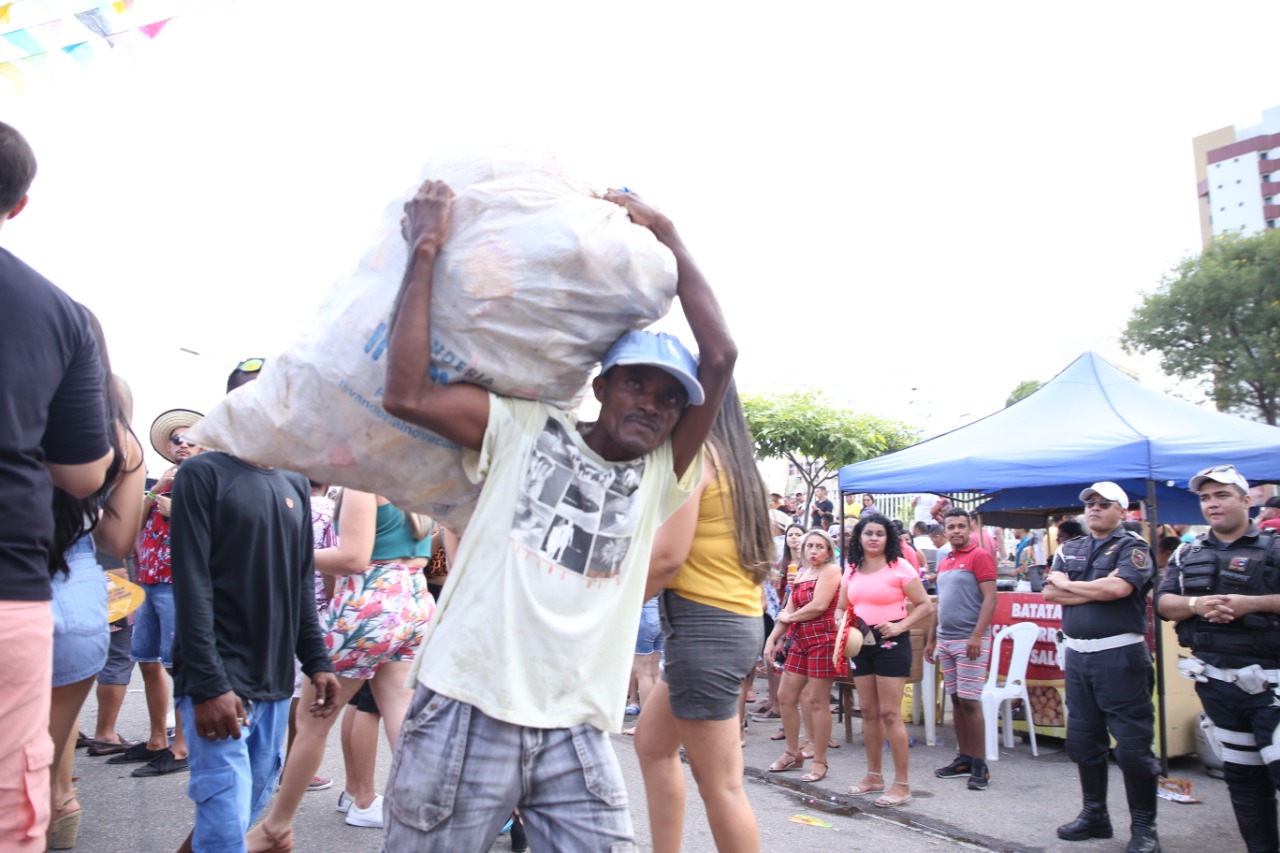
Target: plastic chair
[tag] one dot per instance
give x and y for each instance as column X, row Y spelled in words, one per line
column 996, row 697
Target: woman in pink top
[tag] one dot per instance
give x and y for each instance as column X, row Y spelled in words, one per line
column 876, row 587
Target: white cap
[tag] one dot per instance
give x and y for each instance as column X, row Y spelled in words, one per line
column 1109, row 490
column 1220, row 474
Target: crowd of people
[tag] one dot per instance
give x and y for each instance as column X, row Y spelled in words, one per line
column 498, row 660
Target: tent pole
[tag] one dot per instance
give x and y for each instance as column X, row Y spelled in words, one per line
column 1153, row 535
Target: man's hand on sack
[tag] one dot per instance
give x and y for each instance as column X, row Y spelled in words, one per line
column 641, row 212
column 426, row 216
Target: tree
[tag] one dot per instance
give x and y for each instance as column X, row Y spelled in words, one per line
column 1216, row 318
column 1025, row 388
column 816, row 437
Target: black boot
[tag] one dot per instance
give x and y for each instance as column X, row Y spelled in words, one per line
column 1140, row 790
column 519, row 842
column 1094, row 821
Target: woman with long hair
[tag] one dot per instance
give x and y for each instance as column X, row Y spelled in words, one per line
column 776, row 595
column 108, row 519
column 712, row 556
column 809, row 670
column 876, row 588
column 373, row 626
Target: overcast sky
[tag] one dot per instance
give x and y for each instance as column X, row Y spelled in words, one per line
column 914, row 206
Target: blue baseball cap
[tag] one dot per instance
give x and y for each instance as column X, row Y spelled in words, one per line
column 662, row 351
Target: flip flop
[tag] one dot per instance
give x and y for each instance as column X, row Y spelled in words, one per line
column 780, row 734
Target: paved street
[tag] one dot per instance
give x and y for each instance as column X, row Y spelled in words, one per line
column 1028, row 797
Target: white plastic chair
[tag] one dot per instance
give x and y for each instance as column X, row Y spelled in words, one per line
column 996, row 697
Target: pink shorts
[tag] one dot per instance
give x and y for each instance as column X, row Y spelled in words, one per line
column 27, row 751
column 960, row 676
column 375, row 617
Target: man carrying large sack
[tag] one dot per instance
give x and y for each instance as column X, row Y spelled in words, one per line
column 526, row 664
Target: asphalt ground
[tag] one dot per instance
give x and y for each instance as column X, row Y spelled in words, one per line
column 1028, row 798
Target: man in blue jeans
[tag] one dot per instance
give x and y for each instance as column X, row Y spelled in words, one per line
column 526, row 663
column 244, row 594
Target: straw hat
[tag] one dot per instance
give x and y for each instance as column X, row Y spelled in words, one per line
column 852, row 641
column 164, row 426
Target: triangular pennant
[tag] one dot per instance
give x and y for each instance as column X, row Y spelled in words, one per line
column 11, row 72
column 122, row 6
column 23, row 41
column 4, row 13
column 153, row 30
column 94, row 21
column 82, row 52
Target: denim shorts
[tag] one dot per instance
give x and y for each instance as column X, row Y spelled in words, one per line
column 80, row 632
column 649, row 639
column 153, row 626
column 119, row 666
column 457, row 774
column 232, row 780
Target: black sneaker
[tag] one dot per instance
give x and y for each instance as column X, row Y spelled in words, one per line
column 980, row 778
column 959, row 767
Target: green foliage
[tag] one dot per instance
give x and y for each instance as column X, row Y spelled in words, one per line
column 1025, row 388
column 815, row 436
column 1216, row 317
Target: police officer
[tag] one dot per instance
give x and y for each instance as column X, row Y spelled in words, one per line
column 1223, row 590
column 1102, row 581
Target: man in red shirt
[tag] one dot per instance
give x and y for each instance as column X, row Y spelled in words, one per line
column 154, row 622
column 960, row 640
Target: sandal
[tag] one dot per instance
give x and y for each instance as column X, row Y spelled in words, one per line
column 887, row 801
column 65, row 826
column 813, row 776
column 780, row 734
column 866, row 786
column 788, row 761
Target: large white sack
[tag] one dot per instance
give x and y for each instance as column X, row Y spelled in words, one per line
column 538, row 277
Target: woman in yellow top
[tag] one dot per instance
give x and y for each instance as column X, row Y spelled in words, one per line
column 712, row 556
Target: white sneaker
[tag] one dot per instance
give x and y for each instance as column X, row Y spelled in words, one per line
column 371, row 816
column 344, row 802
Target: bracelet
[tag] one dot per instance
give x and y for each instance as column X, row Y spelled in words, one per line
column 150, row 494
column 1191, row 602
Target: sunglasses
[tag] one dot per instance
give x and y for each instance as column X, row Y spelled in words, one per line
column 1100, row 503
column 179, row 441
column 251, row 365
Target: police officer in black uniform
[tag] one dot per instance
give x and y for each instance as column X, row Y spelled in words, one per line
column 1102, row 581
column 1223, row 590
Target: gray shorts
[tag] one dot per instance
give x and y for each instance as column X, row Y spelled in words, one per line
column 119, row 666
column 708, row 653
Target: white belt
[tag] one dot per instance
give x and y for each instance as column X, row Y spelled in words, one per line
column 1103, row 643
column 1251, row 679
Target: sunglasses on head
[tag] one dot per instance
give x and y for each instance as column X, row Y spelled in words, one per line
column 1101, row 503
column 251, row 365
column 180, row 440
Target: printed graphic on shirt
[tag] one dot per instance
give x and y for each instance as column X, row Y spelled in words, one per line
column 574, row 512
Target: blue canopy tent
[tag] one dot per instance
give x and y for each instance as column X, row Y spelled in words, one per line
column 1091, row 422
column 1028, row 506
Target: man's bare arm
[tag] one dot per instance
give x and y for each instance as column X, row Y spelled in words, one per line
column 717, row 353
column 458, row 412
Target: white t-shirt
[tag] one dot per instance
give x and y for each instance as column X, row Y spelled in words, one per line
column 537, row 622
column 924, row 508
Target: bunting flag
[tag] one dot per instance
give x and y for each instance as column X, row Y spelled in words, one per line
column 36, row 34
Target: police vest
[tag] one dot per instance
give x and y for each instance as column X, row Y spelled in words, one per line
column 1095, row 619
column 1247, row 570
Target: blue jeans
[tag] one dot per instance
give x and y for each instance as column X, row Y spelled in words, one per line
column 231, row 780
column 153, row 626
column 457, row 774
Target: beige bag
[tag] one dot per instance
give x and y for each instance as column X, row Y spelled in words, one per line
column 538, row 278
